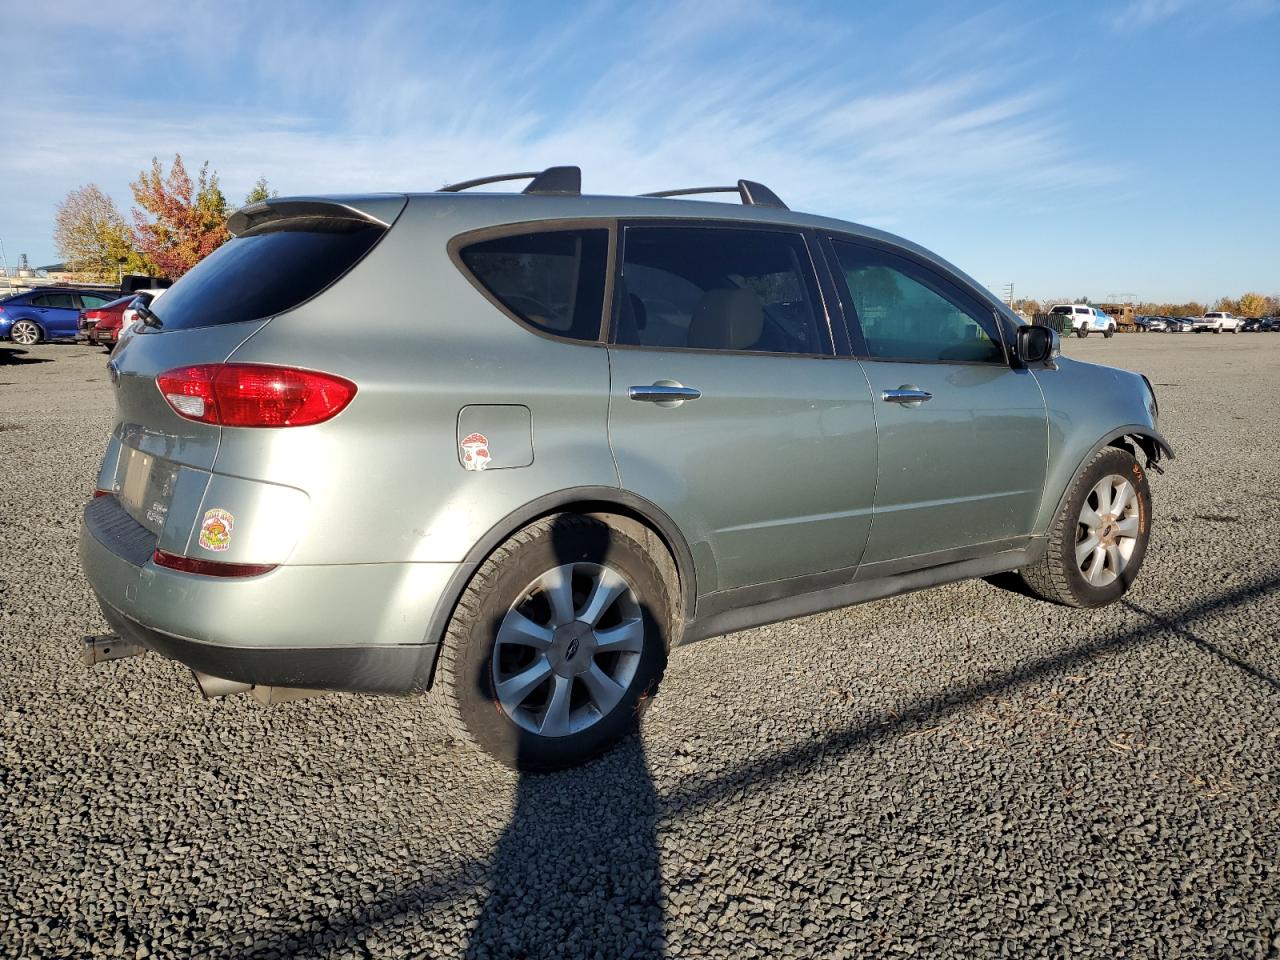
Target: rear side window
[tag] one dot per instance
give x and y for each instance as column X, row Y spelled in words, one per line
column 553, row 281
column 63, row 301
column 718, row 288
column 266, row 271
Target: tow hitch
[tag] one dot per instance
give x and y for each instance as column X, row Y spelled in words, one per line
column 101, row 647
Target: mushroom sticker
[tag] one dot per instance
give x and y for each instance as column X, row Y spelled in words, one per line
column 215, row 530
column 475, row 451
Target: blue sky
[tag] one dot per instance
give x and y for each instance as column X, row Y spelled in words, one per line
column 1073, row 149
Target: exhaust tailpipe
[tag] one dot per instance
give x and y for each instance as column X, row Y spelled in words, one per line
column 214, row 687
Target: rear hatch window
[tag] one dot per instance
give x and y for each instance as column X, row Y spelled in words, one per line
column 266, row 271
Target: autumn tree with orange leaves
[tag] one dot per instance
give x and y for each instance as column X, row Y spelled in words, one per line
column 179, row 223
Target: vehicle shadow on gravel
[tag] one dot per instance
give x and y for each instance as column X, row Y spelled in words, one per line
column 10, row 356
column 929, row 711
column 576, row 872
column 578, row 866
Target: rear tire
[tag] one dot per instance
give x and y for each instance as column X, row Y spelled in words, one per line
column 524, row 674
column 1082, row 332
column 1098, row 540
column 25, row 332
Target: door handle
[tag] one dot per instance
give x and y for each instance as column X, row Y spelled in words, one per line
column 906, row 395
column 665, row 393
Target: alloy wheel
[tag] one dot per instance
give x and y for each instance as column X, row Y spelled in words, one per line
column 568, row 649
column 1107, row 530
column 25, row 332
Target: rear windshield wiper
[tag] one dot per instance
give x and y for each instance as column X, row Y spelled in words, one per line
column 148, row 315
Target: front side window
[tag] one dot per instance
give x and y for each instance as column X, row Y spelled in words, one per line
column 718, row 288
column 553, row 281
column 908, row 312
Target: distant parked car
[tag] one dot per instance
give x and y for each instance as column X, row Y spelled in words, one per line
column 1178, row 325
column 47, row 313
column 1085, row 320
column 146, row 298
column 1216, row 321
column 102, row 325
column 1157, row 324
column 1251, row 325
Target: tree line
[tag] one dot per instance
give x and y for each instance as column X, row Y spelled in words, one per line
column 177, row 223
column 1250, row 304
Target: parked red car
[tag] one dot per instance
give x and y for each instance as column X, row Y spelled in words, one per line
column 102, row 325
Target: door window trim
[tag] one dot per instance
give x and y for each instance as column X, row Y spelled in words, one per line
column 610, row 224
column 814, row 282
column 976, row 303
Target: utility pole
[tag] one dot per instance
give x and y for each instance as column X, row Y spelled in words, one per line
column 1008, row 294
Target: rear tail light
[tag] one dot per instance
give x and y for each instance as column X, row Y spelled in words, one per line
column 209, row 568
column 103, row 493
column 254, row 395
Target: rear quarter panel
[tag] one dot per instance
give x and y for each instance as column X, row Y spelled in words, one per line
column 1085, row 403
column 384, row 479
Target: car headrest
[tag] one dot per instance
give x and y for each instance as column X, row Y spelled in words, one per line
column 727, row 320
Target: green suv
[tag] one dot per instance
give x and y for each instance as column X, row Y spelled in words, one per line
column 511, row 449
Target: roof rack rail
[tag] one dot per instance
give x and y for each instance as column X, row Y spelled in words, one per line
column 553, row 181
column 753, row 194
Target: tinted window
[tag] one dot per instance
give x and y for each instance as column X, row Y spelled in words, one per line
column 711, row 288
column 553, row 281
column 91, row 301
column 267, row 271
column 1061, row 310
column 908, row 312
column 59, row 300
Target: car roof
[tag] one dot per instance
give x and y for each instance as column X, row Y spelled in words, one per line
column 457, row 213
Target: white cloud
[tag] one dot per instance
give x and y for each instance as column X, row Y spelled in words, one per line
column 702, row 92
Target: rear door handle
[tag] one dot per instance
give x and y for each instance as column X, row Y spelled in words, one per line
column 666, row 393
column 906, row 395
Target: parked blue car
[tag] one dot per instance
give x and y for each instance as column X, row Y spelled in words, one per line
column 47, row 313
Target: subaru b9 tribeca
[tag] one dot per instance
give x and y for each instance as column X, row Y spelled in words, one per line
column 512, row 448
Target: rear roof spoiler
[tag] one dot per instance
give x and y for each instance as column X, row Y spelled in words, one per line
column 378, row 210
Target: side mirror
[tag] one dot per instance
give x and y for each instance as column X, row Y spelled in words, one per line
column 1038, row 345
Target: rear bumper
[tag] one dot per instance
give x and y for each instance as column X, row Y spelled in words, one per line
column 357, row 627
column 359, row 669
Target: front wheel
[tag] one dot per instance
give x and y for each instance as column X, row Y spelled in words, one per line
column 556, row 646
column 1111, row 332
column 1098, row 540
column 25, row 332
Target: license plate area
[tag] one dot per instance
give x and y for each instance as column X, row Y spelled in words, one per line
column 146, row 486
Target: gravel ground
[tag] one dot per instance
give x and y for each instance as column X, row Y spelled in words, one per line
column 962, row 772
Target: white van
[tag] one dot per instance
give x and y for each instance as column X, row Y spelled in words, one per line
column 1085, row 320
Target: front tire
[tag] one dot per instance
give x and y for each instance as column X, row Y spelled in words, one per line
column 556, row 646
column 1098, row 540
column 25, row 332
column 1111, row 332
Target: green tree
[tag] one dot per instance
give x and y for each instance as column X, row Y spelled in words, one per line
column 177, row 223
column 260, row 192
column 92, row 237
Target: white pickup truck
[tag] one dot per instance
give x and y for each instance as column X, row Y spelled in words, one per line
column 1217, row 322
column 1083, row 320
